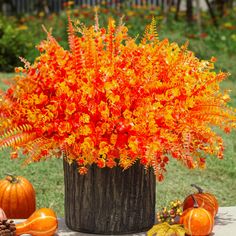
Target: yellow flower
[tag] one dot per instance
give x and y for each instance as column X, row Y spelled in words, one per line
column 22, row 27
column 85, row 118
column 71, row 139
column 64, row 127
column 103, row 108
column 103, row 149
column 85, row 130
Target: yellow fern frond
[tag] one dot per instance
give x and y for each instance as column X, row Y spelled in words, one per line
column 153, row 28
column 150, row 33
column 125, row 163
column 186, row 136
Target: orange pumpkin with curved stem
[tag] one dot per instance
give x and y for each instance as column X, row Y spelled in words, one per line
column 205, row 200
column 17, row 197
column 41, row 222
column 197, row 220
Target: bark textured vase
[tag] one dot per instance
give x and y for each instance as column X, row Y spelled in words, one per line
column 109, row 201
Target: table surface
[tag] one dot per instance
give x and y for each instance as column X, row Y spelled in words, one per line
column 225, row 225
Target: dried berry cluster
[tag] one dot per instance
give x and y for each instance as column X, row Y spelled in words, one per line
column 7, row 228
column 171, row 213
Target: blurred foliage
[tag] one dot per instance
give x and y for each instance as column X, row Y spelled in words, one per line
column 14, row 42
column 18, row 36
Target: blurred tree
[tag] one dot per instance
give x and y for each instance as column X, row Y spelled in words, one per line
column 41, row 6
column 220, row 5
column 189, row 11
column 7, row 7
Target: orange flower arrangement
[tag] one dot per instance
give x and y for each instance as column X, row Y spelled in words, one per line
column 112, row 101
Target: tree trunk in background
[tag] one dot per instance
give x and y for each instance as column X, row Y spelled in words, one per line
column 177, row 9
column 189, row 12
column 199, row 19
column 231, row 4
column 109, row 201
column 220, row 4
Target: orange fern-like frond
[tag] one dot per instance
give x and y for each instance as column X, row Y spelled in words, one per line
column 125, row 163
column 64, row 149
column 37, row 149
column 16, row 130
column 214, row 112
column 111, row 31
column 156, row 167
column 16, row 140
column 71, row 35
column 75, row 47
column 49, row 35
column 96, row 26
column 216, row 79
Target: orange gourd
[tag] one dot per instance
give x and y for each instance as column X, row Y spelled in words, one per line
column 197, row 220
column 205, row 200
column 41, row 222
column 17, row 197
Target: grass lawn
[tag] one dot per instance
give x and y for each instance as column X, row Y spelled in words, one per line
column 219, row 177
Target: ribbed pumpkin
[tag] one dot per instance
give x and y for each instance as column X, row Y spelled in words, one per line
column 197, row 220
column 205, row 200
column 17, row 197
column 41, row 222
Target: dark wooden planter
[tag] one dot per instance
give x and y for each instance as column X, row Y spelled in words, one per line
column 109, row 201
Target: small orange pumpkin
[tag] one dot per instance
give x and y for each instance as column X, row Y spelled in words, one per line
column 17, row 197
column 205, row 200
column 197, row 220
column 41, row 222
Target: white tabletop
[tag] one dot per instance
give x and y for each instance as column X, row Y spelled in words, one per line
column 225, row 225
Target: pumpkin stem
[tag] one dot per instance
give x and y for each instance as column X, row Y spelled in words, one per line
column 12, row 178
column 195, row 204
column 200, row 190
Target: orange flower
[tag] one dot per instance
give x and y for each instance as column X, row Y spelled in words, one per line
column 70, row 108
column 64, row 127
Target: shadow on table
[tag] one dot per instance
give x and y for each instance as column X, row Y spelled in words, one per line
column 225, row 219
